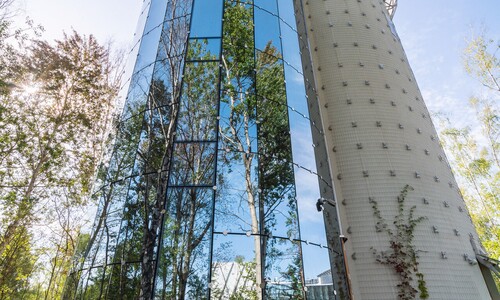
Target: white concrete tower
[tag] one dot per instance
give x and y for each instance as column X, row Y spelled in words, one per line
column 379, row 138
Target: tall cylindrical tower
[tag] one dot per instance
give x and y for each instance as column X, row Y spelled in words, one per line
column 408, row 231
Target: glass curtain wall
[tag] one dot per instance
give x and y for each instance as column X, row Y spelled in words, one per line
column 212, row 166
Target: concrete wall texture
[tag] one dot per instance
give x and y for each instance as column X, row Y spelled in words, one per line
column 379, row 138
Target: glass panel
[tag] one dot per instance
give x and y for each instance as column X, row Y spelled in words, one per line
column 184, row 258
column 206, row 21
column 267, row 31
column 198, row 104
column 128, row 247
column 93, row 284
column 145, row 58
column 193, row 164
column 115, row 285
column 124, row 282
column 234, row 267
column 238, row 51
column 80, row 292
column 283, row 269
column 237, row 202
column 319, row 283
column 156, row 138
column 132, row 55
column 71, row 285
column 155, row 15
column 166, row 56
column 141, row 23
column 238, row 206
column 312, row 227
column 286, row 12
column 133, row 239
column 203, row 49
column 268, row 5
column 137, row 94
column 172, row 46
column 124, row 152
column 131, row 280
column 102, row 241
column 291, row 55
column 275, row 166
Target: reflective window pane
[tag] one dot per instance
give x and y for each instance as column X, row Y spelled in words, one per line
column 184, row 259
column 198, row 103
column 267, row 31
column 203, row 49
column 267, row 5
column 124, row 282
column 235, row 268
column 193, row 164
column 207, row 18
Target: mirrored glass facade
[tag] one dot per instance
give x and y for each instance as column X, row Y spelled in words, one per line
column 211, row 186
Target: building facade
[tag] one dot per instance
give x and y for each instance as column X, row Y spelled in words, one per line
column 263, row 150
column 398, row 202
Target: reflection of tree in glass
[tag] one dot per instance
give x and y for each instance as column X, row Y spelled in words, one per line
column 276, row 174
column 125, row 234
column 252, row 124
column 183, row 263
column 100, row 246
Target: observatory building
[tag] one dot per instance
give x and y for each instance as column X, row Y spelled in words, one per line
column 274, row 149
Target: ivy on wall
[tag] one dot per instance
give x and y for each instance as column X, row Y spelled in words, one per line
column 402, row 256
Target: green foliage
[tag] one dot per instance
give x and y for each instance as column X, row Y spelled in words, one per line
column 402, row 257
column 255, row 115
column 16, row 265
column 481, row 62
column 424, row 293
column 475, row 154
column 478, row 169
column 55, row 104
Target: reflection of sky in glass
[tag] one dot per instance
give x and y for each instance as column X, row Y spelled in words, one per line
column 266, row 29
column 206, row 20
column 276, row 50
column 144, row 63
column 312, row 227
column 204, row 49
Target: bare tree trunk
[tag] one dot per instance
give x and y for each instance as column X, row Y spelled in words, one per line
column 151, row 232
column 52, row 274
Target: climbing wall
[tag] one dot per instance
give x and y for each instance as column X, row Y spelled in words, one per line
column 380, row 138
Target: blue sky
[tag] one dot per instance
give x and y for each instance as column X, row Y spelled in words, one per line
column 106, row 19
column 433, row 34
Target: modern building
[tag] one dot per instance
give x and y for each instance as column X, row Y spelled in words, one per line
column 263, row 151
column 399, row 206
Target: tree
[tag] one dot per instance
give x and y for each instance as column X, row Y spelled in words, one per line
column 478, row 175
column 254, row 131
column 481, row 61
column 54, row 120
column 475, row 153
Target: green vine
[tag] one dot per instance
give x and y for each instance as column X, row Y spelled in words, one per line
column 424, row 293
column 402, row 256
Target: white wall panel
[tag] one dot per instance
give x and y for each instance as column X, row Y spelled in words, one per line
column 357, row 58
